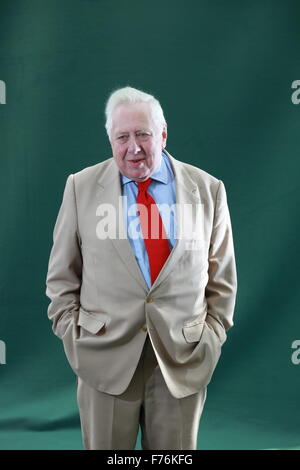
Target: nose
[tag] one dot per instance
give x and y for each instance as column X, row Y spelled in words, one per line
column 133, row 146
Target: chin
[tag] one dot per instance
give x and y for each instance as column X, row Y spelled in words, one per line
column 139, row 177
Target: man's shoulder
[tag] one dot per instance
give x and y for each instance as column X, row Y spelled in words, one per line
column 92, row 174
column 196, row 174
column 199, row 174
column 93, row 170
column 191, row 176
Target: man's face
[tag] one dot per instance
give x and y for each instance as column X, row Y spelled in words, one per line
column 136, row 141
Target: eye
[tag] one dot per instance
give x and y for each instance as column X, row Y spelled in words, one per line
column 143, row 134
column 122, row 137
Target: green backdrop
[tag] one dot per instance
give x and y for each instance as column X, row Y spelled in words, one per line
column 223, row 72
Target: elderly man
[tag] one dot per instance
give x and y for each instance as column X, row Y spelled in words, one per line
column 142, row 282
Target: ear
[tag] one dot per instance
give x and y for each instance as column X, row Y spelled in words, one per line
column 164, row 135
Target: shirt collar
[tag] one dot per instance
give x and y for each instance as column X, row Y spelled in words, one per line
column 160, row 174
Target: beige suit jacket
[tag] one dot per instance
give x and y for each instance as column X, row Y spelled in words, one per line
column 101, row 307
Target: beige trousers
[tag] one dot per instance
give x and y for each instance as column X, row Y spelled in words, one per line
column 111, row 422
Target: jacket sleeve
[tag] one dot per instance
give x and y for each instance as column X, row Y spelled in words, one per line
column 65, row 265
column 222, row 277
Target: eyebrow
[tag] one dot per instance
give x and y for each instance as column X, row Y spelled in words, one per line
column 139, row 130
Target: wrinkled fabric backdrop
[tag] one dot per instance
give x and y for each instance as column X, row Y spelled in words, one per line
column 223, row 72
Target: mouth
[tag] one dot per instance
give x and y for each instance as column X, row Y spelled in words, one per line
column 136, row 162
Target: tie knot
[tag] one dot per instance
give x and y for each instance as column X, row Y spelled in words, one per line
column 143, row 186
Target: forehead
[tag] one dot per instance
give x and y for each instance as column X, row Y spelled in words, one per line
column 130, row 117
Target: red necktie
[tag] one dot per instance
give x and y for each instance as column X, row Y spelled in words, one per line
column 156, row 242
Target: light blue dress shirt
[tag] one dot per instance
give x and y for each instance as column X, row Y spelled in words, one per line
column 163, row 191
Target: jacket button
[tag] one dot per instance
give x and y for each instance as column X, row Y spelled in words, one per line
column 149, row 300
column 144, row 328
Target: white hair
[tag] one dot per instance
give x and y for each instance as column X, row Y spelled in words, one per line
column 129, row 95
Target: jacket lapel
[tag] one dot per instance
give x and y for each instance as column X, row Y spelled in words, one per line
column 186, row 194
column 110, row 193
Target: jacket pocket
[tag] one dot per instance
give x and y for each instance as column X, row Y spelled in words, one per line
column 192, row 331
column 92, row 322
